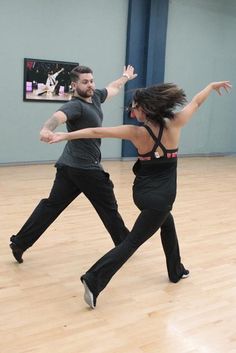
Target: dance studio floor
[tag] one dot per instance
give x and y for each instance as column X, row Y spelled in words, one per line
column 41, row 301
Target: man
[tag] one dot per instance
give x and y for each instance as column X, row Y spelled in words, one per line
column 78, row 169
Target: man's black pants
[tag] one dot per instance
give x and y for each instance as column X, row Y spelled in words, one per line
column 68, row 184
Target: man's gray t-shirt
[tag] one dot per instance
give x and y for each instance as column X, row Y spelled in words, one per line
column 83, row 153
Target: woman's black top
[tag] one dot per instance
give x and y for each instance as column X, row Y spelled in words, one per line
column 155, row 182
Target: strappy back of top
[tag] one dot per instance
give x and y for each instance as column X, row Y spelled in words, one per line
column 153, row 154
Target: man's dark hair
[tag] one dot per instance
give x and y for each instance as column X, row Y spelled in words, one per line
column 75, row 73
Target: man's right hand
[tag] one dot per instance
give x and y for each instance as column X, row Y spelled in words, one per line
column 51, row 124
column 45, row 135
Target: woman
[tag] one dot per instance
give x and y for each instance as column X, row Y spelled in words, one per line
column 154, row 187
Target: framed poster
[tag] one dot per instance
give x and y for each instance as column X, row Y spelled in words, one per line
column 47, row 80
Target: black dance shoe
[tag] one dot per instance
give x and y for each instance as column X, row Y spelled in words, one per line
column 181, row 274
column 185, row 274
column 17, row 252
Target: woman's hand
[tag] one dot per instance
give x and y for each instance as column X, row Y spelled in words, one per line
column 57, row 137
column 222, row 84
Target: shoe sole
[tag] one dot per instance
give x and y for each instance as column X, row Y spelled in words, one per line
column 185, row 275
column 88, row 296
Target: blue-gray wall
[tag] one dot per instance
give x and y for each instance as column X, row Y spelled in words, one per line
column 200, row 48
column 92, row 32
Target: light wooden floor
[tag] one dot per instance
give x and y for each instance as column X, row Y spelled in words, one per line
column 41, row 301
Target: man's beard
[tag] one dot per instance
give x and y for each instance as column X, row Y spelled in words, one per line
column 85, row 94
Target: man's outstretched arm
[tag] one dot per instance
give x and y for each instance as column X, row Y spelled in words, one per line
column 114, row 87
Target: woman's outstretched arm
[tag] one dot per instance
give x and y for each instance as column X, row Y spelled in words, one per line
column 126, row 132
column 182, row 117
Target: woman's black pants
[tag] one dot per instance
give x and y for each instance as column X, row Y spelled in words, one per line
column 148, row 222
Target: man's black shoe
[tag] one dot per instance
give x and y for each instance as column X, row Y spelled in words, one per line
column 17, row 252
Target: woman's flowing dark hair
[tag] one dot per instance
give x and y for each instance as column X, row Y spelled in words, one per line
column 159, row 101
